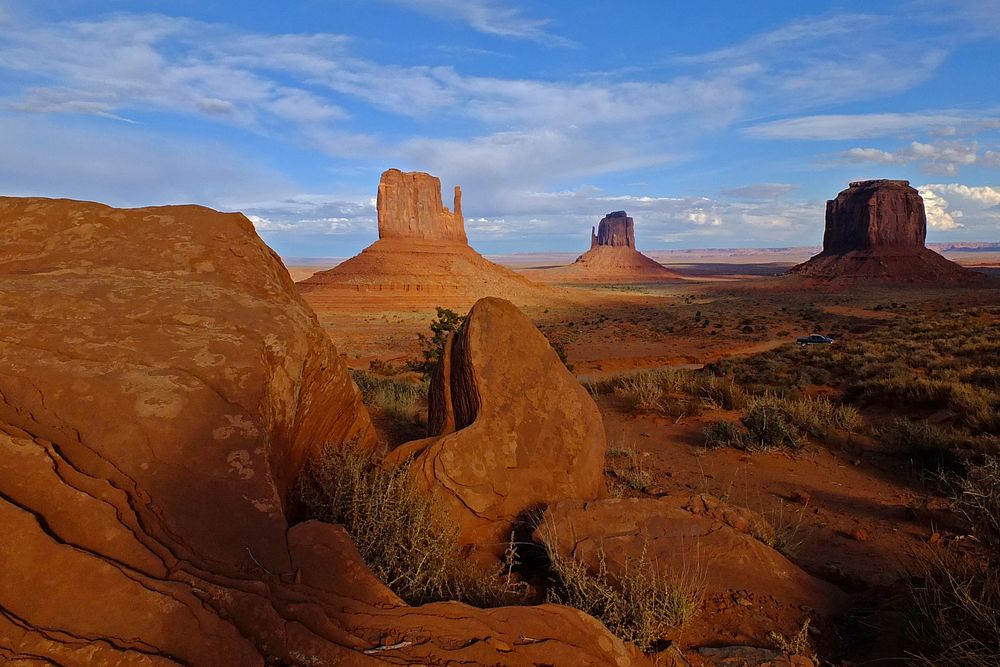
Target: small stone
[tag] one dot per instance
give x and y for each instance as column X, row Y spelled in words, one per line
column 800, row 496
column 860, row 534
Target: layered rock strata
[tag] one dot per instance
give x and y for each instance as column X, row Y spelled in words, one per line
column 422, row 256
column 615, row 229
column 875, row 233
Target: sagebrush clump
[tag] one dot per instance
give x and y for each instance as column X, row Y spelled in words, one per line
column 398, row 398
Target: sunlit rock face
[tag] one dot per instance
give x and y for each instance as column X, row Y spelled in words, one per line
column 422, row 256
column 615, row 229
column 875, row 232
column 410, row 206
column 875, row 214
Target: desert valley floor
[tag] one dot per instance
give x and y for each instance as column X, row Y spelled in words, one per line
column 850, row 508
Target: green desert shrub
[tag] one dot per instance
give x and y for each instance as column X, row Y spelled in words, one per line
column 768, row 427
column 723, row 433
column 398, row 398
column 432, row 347
column 407, row 540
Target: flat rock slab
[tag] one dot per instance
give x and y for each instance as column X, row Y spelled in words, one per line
column 749, row 588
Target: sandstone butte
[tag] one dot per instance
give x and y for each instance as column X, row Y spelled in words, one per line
column 612, row 258
column 161, row 383
column 875, row 233
column 422, row 256
column 510, row 427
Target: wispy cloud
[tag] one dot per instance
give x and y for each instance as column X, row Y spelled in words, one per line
column 759, row 191
column 124, row 65
column 824, row 60
column 126, row 165
column 862, row 126
column 489, row 17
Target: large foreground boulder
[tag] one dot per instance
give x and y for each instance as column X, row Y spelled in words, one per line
column 875, row 233
column 749, row 588
column 161, row 384
column 510, row 427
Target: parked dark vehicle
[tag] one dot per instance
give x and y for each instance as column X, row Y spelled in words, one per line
column 814, row 339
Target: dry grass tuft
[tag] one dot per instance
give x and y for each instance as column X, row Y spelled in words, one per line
column 780, row 530
column 799, row 644
column 406, row 539
column 957, row 599
column 638, row 606
column 957, row 602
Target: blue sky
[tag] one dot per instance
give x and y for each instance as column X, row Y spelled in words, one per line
column 722, row 124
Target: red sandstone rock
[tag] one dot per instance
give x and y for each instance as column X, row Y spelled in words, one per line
column 612, row 258
column 409, row 206
column 699, row 540
column 875, row 232
column 161, row 382
column 615, row 229
column 875, row 214
column 510, row 427
column 422, row 254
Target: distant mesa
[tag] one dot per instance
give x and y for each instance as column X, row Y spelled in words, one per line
column 612, row 258
column 422, row 254
column 875, row 233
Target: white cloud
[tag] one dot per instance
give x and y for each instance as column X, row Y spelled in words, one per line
column 824, row 60
column 938, row 215
column 129, row 63
column 860, row 126
column 489, row 17
column 702, row 217
column 978, row 207
column 945, row 157
column 870, row 155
